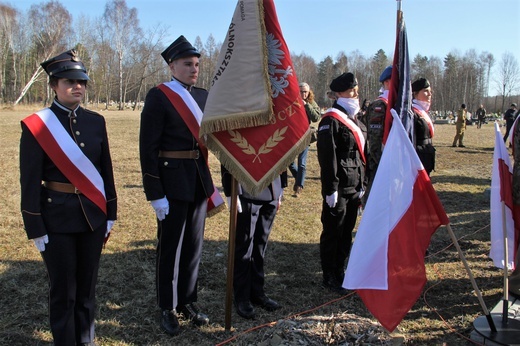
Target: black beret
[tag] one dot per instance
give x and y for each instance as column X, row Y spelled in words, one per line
column 66, row 65
column 420, row 84
column 180, row 48
column 343, row 82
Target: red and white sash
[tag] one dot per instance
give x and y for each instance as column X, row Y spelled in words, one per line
column 345, row 120
column 422, row 113
column 67, row 156
column 191, row 113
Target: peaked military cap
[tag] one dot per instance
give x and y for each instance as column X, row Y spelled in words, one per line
column 420, row 84
column 180, row 48
column 386, row 74
column 66, row 65
column 343, row 82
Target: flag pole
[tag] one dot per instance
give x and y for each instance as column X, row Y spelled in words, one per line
column 505, row 299
column 231, row 252
column 472, row 279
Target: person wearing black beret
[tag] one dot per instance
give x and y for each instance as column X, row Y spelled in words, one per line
column 177, row 182
column 68, row 197
column 423, row 124
column 341, row 155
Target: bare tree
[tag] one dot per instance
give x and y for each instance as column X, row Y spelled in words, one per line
column 50, row 23
column 123, row 25
column 8, row 23
column 508, row 76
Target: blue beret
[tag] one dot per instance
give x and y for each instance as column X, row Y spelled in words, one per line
column 387, row 73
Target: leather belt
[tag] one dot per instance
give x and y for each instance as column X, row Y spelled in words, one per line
column 185, row 154
column 61, row 187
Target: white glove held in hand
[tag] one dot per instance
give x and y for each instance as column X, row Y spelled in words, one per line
column 40, row 242
column 110, row 224
column 239, row 205
column 332, row 199
column 161, row 207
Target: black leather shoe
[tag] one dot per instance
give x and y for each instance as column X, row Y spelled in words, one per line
column 169, row 322
column 245, row 309
column 266, row 303
column 334, row 285
column 192, row 313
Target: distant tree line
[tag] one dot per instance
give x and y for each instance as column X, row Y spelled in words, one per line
column 124, row 62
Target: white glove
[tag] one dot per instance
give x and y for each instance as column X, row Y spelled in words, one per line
column 161, row 207
column 239, row 205
column 394, row 113
column 110, row 224
column 332, row 199
column 361, row 193
column 40, row 242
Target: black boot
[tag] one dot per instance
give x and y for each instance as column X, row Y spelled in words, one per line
column 331, row 282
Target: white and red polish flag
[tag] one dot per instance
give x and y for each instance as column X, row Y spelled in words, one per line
column 386, row 264
column 501, row 205
column 254, row 117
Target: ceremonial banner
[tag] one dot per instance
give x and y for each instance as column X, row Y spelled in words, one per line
column 501, row 205
column 400, row 93
column 254, row 117
column 386, row 264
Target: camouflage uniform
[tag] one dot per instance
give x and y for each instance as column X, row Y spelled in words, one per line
column 375, row 121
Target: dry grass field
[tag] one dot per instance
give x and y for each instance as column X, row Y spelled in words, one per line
column 127, row 313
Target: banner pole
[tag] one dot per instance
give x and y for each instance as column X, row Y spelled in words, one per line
column 472, row 279
column 231, row 252
column 505, row 299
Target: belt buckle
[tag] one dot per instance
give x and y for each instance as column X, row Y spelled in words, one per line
column 76, row 191
column 197, row 155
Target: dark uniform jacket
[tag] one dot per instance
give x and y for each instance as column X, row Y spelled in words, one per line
column 163, row 129
column 45, row 211
column 342, row 168
column 423, row 143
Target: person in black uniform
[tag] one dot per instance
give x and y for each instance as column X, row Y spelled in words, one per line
column 68, row 197
column 177, row 181
column 255, row 219
column 423, row 124
column 509, row 117
column 341, row 155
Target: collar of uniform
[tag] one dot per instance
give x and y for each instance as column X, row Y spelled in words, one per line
column 71, row 113
column 185, row 86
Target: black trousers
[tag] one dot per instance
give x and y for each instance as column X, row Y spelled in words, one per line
column 179, row 250
column 336, row 236
column 72, row 261
column 254, row 225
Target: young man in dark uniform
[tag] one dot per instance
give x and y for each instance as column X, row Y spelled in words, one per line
column 341, row 155
column 177, row 181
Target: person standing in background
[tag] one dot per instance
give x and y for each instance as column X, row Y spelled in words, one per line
column 68, row 197
column 481, row 116
column 509, row 117
column 313, row 114
column 460, row 126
